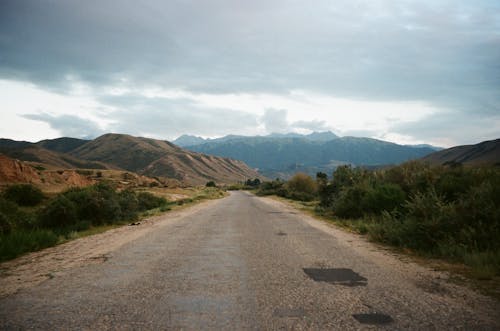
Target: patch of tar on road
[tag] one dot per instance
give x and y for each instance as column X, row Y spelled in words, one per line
column 432, row 286
column 98, row 258
column 341, row 276
column 373, row 318
column 289, row 312
column 281, row 233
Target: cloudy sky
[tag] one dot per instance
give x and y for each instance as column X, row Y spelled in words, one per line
column 425, row 71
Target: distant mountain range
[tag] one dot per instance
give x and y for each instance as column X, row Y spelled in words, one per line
column 189, row 140
column 484, row 153
column 282, row 155
column 144, row 156
column 276, row 155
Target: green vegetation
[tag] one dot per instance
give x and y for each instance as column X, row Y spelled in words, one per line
column 78, row 212
column 446, row 212
column 24, row 194
column 44, row 224
column 299, row 187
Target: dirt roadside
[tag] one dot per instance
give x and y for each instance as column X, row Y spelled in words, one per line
column 34, row 268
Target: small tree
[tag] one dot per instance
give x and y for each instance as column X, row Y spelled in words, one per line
column 211, row 184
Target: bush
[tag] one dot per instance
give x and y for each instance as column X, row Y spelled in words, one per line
column 383, row 197
column 5, row 226
column 349, row 202
column 446, row 211
column 24, row 194
column 61, row 212
column 275, row 187
column 129, row 204
column 14, row 217
column 211, row 184
column 253, row 183
column 149, row 201
column 302, row 183
column 300, row 187
column 98, row 204
column 19, row 242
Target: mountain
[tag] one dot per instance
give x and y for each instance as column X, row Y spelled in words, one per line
column 144, row 156
column 187, row 140
column 322, row 136
column 34, row 152
column 152, row 157
column 62, row 145
column 285, row 156
column 484, row 153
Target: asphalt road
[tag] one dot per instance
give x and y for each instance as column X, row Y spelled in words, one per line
column 247, row 263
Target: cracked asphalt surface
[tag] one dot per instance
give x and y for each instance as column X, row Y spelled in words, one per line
column 248, row 263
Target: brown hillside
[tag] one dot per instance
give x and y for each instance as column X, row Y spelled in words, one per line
column 152, row 157
column 484, row 153
column 124, row 151
column 16, row 172
column 35, row 153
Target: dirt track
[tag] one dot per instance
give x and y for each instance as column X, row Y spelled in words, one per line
column 238, row 263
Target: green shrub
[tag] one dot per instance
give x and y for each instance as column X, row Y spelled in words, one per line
column 383, row 197
column 149, row 201
column 24, row 194
column 129, row 204
column 211, row 184
column 98, row 204
column 16, row 218
column 253, row 183
column 5, row 226
column 22, row 241
column 275, row 187
column 59, row 213
column 349, row 202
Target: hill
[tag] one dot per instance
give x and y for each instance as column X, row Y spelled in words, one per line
column 148, row 157
column 62, row 145
column 34, row 152
column 282, row 156
column 152, row 157
column 484, row 153
column 15, row 172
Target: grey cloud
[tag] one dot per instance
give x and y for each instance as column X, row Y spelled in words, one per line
column 314, row 125
column 164, row 117
column 456, row 128
column 69, row 125
column 442, row 52
column 445, row 52
column 275, row 121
